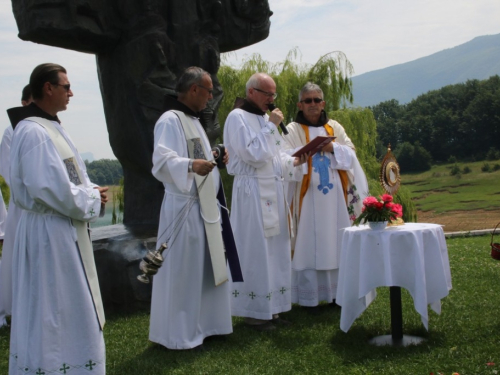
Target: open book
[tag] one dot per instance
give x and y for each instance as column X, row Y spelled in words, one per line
column 315, row 145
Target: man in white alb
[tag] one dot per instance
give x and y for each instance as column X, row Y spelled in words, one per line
column 57, row 313
column 258, row 211
column 190, row 298
column 326, row 200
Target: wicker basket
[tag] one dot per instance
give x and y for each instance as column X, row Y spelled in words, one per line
column 495, row 247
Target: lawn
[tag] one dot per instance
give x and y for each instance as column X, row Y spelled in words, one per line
column 464, row 338
column 439, row 191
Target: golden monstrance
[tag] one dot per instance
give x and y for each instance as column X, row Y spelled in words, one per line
column 390, row 177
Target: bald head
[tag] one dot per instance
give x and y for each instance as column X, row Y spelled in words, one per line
column 261, row 90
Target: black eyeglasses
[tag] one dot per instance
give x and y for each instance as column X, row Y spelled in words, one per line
column 66, row 87
column 206, row 88
column 310, row 100
column 268, row 94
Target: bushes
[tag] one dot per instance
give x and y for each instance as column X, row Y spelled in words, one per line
column 486, row 167
column 493, row 154
column 413, row 158
column 455, row 170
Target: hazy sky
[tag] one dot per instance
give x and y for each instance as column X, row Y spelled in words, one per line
column 373, row 34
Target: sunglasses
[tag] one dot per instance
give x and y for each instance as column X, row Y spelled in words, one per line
column 66, row 87
column 310, row 100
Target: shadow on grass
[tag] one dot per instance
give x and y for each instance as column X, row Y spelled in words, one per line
column 354, row 347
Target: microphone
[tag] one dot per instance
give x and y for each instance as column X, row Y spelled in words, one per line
column 271, row 107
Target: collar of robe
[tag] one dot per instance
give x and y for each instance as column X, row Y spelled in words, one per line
column 18, row 114
column 323, row 119
column 250, row 107
column 172, row 103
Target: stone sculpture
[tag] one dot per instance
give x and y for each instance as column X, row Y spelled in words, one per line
column 141, row 47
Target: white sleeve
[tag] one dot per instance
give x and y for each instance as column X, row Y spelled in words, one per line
column 46, row 179
column 170, row 155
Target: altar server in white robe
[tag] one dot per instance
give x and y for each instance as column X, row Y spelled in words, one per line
column 13, row 214
column 327, row 199
column 57, row 315
column 190, row 298
column 259, row 213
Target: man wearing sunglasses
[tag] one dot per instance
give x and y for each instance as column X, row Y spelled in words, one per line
column 326, row 200
column 258, row 210
column 57, row 311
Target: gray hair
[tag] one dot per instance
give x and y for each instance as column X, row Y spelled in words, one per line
column 308, row 87
column 254, row 81
column 191, row 76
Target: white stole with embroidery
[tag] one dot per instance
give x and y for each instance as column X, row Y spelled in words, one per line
column 208, row 200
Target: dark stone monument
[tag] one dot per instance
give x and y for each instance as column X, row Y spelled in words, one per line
column 142, row 46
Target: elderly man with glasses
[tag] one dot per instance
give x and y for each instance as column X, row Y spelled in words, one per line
column 190, row 299
column 324, row 201
column 258, row 210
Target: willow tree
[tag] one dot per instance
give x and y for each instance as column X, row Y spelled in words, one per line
column 331, row 72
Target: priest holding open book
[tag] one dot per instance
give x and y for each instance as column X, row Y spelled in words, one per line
column 327, row 199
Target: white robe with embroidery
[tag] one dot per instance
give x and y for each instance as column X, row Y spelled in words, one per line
column 324, row 212
column 186, row 305
column 54, row 323
column 253, row 142
column 10, row 227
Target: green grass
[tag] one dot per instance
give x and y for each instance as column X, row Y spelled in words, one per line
column 437, row 190
column 463, row 339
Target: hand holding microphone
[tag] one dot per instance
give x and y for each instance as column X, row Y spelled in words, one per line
column 282, row 126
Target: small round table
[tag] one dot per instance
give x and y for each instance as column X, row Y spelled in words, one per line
column 413, row 256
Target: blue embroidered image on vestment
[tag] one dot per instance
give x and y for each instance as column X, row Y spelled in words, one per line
column 320, row 165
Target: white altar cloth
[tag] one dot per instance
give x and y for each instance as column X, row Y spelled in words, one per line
column 413, row 256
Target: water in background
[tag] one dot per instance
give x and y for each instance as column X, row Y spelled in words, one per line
column 106, row 219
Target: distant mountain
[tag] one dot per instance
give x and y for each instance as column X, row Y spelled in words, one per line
column 477, row 59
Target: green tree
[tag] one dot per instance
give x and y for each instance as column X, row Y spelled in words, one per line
column 461, row 120
column 388, row 115
column 104, row 171
column 331, row 72
column 361, row 128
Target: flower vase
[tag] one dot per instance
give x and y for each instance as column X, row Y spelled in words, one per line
column 377, row 225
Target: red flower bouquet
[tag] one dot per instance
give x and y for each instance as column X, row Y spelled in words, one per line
column 379, row 209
